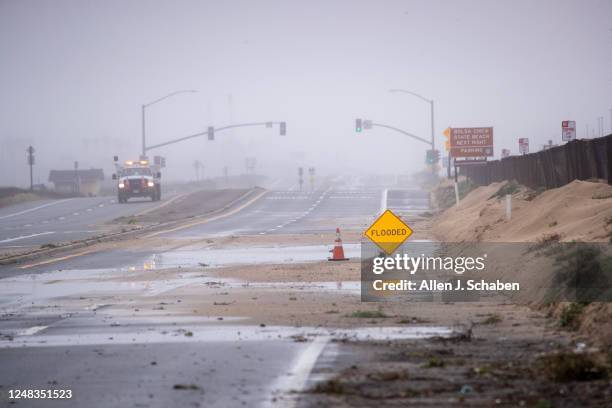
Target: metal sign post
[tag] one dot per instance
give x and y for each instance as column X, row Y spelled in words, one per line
column 524, row 145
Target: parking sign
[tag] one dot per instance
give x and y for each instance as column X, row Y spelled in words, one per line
column 568, row 130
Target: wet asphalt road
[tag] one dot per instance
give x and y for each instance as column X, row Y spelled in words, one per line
column 130, row 364
column 50, row 221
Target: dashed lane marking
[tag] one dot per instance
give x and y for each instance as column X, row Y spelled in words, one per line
column 26, row 236
column 32, row 330
column 34, row 209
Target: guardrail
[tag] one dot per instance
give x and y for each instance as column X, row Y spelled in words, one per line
column 577, row 160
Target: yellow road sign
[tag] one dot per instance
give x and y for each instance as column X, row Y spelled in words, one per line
column 388, row 232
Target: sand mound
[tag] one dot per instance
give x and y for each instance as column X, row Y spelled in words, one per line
column 581, row 210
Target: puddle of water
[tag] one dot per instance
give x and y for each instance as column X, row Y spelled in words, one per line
column 28, row 289
column 352, row 287
column 216, row 258
column 25, row 289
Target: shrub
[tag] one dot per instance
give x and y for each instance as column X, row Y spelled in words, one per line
column 509, row 187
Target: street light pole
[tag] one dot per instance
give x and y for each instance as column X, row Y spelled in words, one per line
column 433, row 139
column 146, row 105
column 144, row 143
column 431, row 104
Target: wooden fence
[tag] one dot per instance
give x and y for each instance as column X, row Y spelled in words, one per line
column 555, row 167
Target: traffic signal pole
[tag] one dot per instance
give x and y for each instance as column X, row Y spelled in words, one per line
column 420, row 139
column 433, row 139
column 431, row 104
column 212, row 130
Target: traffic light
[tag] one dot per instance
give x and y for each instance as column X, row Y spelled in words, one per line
column 211, row 133
column 283, row 128
column 447, row 143
column 163, row 162
column 432, row 156
column 358, row 125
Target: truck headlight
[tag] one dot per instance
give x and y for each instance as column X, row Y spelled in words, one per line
column 150, row 184
column 121, row 185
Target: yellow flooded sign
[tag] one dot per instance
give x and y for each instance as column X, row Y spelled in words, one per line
column 388, row 232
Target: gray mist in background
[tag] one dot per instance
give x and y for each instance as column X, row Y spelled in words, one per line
column 74, row 74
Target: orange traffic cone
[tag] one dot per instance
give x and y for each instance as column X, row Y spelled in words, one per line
column 338, row 251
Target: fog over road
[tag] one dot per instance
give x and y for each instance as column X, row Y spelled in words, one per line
column 59, row 327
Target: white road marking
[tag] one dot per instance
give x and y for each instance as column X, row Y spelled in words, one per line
column 26, row 236
column 383, row 201
column 297, row 378
column 61, row 218
column 32, row 330
column 34, row 209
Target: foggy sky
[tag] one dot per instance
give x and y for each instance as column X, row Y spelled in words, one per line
column 74, row 74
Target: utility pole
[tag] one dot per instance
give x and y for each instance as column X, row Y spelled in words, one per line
column 301, row 177
column 77, row 182
column 197, row 165
column 30, row 151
